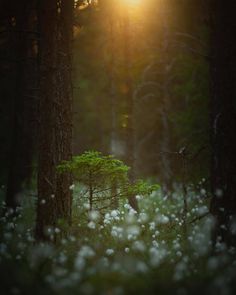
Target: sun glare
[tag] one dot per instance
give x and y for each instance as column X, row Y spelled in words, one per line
column 132, row 2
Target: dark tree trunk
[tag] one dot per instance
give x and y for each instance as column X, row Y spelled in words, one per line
column 223, row 118
column 24, row 67
column 55, row 136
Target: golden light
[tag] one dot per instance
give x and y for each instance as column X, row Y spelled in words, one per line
column 132, row 3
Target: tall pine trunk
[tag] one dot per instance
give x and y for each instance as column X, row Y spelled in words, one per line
column 22, row 39
column 112, row 93
column 166, row 74
column 55, row 131
column 223, row 118
column 129, row 96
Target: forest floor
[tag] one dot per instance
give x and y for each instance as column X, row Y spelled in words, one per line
column 118, row 251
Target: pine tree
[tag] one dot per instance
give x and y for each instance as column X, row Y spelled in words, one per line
column 223, row 118
column 55, row 132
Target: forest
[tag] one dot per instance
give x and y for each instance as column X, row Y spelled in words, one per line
column 117, row 147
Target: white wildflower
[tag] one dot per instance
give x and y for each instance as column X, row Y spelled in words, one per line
column 127, row 206
column 133, row 230
column 162, row 219
column 94, row 215
column 92, row 225
column 114, row 213
column 72, row 187
column 57, row 230
column 86, row 206
column 130, row 218
column 152, row 225
column 155, row 244
column 127, row 250
column 110, row 252
column 139, row 246
column 179, row 253
column 79, row 263
column 141, row 267
column 86, row 252
column 143, row 217
column 155, row 256
column 202, row 210
column 203, row 191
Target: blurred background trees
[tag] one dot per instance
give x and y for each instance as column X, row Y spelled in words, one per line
column 168, row 68
column 151, row 81
column 168, row 92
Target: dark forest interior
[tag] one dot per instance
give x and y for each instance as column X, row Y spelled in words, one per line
column 117, row 147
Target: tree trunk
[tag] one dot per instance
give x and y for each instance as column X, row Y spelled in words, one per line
column 129, row 135
column 223, row 119
column 24, row 99
column 55, row 134
column 166, row 63
column 112, row 93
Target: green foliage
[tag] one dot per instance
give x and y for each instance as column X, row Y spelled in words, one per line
column 120, row 252
column 93, row 169
column 104, row 178
column 142, row 188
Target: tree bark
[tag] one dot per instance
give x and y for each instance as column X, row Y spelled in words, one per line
column 24, row 80
column 223, row 119
column 55, row 134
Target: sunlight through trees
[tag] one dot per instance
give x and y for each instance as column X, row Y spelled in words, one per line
column 117, row 132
